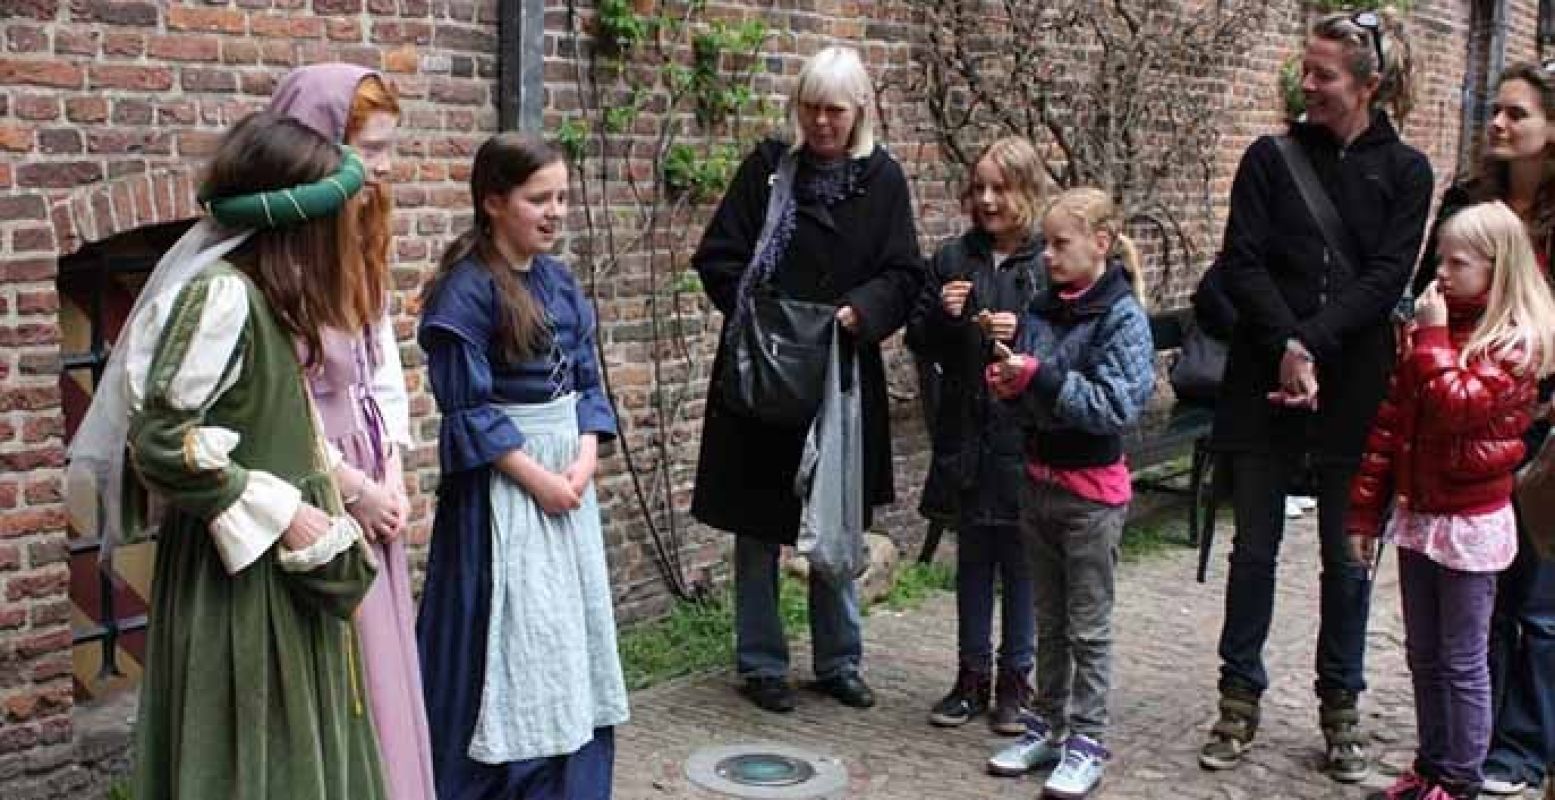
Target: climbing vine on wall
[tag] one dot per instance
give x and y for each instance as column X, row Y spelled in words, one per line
column 668, row 105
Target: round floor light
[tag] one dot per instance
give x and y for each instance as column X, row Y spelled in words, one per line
column 767, row 771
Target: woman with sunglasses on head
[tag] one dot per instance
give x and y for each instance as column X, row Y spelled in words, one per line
column 1310, row 356
column 1518, row 168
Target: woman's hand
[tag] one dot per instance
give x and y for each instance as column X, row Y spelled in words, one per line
column 1363, row 549
column 848, row 319
column 581, row 472
column 952, row 297
column 1298, row 378
column 308, row 525
column 1431, row 307
column 1004, row 376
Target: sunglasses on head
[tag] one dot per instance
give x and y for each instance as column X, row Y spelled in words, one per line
column 1371, row 22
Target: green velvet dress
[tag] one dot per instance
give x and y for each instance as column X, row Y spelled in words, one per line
column 253, row 685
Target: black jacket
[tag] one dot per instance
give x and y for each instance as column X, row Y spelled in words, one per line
column 1286, row 284
column 862, row 252
column 977, row 467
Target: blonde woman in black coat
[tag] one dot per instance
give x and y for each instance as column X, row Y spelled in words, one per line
column 848, row 240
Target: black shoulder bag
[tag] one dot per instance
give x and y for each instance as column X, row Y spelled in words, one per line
column 775, row 364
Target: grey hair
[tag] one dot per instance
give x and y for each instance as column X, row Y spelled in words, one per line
column 836, row 75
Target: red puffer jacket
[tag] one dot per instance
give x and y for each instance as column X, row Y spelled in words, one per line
column 1448, row 438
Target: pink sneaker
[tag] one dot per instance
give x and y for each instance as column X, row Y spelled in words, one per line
column 1410, row 786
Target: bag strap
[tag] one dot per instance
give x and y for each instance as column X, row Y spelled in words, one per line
column 1318, row 203
column 782, row 182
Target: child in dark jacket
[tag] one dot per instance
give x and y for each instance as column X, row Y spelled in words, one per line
column 1085, row 371
column 1443, row 449
column 979, row 283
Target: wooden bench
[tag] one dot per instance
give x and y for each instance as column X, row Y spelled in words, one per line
column 1166, row 431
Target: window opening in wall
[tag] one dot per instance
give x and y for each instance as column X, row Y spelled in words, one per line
column 97, row 287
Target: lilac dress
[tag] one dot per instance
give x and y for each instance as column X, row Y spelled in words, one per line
column 359, row 391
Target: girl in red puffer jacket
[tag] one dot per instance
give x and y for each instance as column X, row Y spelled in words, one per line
column 1443, row 449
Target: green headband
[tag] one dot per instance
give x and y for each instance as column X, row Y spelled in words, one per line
column 283, row 207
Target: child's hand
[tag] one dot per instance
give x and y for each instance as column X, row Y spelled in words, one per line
column 1363, row 549
column 952, row 297
column 999, row 325
column 581, row 471
column 1431, row 307
column 1004, row 377
column 553, row 492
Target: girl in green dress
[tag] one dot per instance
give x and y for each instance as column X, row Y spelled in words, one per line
column 253, row 682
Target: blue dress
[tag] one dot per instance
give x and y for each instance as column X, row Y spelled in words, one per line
column 471, row 384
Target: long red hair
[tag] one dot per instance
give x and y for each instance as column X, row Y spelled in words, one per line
column 372, row 223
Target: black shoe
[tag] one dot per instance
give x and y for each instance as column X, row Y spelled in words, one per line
column 967, row 699
column 848, row 688
column 770, row 694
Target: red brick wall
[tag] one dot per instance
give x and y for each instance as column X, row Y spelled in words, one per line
column 108, row 106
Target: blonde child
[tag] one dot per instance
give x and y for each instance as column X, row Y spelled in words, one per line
column 1086, row 369
column 1443, row 449
column 979, row 284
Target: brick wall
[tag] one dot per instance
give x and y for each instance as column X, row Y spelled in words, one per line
column 107, row 108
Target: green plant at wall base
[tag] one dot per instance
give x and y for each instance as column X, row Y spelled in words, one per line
column 917, row 582
column 120, row 790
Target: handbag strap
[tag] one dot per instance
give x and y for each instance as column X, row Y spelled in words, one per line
column 1318, row 203
column 782, row 182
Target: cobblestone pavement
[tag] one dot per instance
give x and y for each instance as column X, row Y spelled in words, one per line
column 1162, row 705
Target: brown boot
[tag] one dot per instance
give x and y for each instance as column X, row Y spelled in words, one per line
column 1011, row 699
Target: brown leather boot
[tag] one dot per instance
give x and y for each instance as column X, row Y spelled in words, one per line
column 1011, row 699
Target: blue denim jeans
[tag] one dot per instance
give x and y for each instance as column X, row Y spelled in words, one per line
column 1259, row 484
column 760, row 645
column 1522, row 669
column 984, row 553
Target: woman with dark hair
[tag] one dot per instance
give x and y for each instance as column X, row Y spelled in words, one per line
column 1310, row 357
column 516, row 622
column 1519, row 170
column 253, row 683
column 358, row 387
column 845, row 237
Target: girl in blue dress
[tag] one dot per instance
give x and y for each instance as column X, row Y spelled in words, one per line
column 516, row 631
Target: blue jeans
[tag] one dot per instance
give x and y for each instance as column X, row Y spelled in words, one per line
column 760, row 646
column 1259, row 484
column 982, row 553
column 1522, row 669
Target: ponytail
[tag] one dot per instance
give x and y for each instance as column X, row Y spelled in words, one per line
column 1123, row 247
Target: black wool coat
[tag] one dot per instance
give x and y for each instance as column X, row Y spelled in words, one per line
column 1286, row 284
column 978, row 464
column 863, row 252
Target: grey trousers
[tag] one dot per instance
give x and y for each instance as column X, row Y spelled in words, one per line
column 1073, row 547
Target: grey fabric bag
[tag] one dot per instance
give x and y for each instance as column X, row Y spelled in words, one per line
column 831, row 477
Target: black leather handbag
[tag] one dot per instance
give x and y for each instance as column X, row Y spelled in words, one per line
column 775, row 367
column 775, row 359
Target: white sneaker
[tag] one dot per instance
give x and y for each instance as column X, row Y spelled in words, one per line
column 1035, row 748
column 1293, row 508
column 1502, row 786
column 1080, row 771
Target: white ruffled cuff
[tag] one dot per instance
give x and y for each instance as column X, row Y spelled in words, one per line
column 256, row 521
column 342, row 536
column 209, row 448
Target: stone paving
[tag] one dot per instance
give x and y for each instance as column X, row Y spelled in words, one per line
column 1163, row 700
